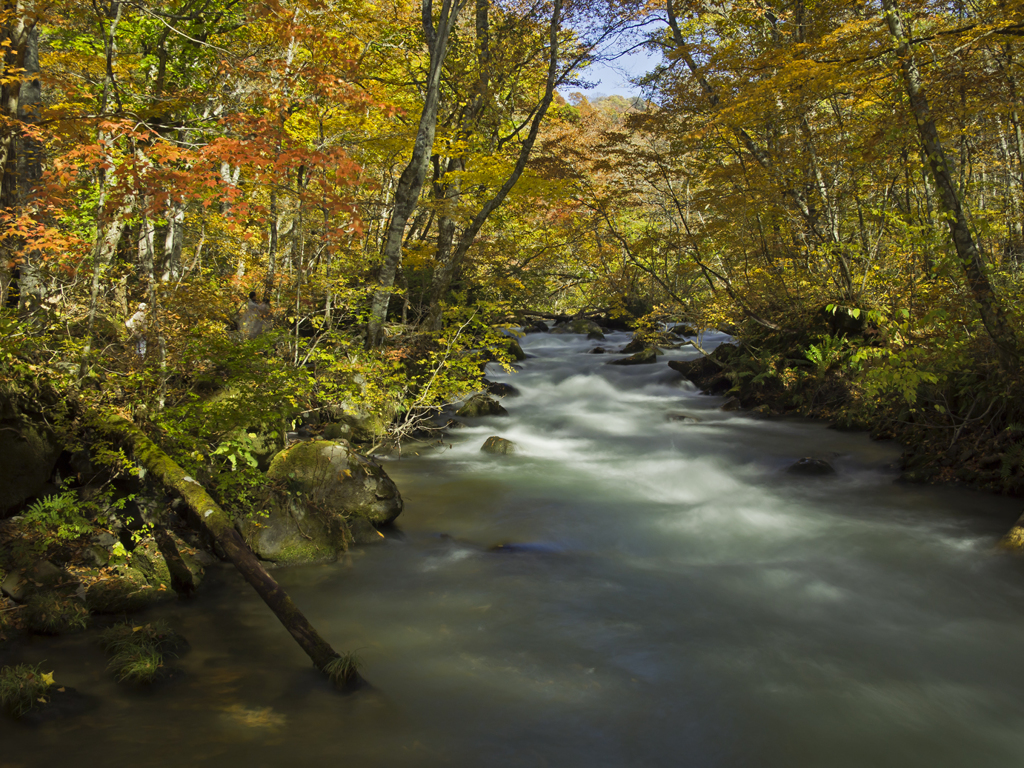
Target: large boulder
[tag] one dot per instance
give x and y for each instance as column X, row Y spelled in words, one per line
column 323, row 496
column 481, row 405
column 580, row 325
column 28, row 456
column 126, row 590
column 515, row 349
column 710, row 374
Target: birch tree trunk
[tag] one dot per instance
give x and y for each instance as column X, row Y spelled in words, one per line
column 445, row 272
column 992, row 313
column 410, row 183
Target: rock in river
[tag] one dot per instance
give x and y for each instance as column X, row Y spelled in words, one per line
column 495, row 444
column 809, row 467
column 643, row 357
column 481, row 405
column 323, row 495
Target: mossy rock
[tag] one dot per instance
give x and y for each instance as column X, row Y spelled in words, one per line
column 125, row 592
column 317, row 490
column 28, row 456
column 515, row 349
column 580, row 325
column 498, row 445
column 337, row 480
column 481, row 405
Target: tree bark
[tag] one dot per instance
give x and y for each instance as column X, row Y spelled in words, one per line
column 992, row 313
column 410, row 183
column 221, row 527
column 445, row 272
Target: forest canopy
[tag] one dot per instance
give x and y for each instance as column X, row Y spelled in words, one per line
column 393, row 184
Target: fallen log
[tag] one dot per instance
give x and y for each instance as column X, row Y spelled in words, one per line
column 218, row 523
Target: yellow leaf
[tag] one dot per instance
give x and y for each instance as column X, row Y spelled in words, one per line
column 48, row 678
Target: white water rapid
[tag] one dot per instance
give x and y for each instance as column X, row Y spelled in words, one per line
column 666, row 596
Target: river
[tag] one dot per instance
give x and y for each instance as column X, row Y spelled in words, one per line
column 642, row 584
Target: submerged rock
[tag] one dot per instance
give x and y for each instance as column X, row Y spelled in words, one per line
column 61, row 702
column 679, row 416
column 495, row 444
column 809, row 467
column 318, row 492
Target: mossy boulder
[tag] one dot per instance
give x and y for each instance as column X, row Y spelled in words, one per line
column 28, row 455
column 515, row 349
column 498, row 445
column 481, row 405
column 126, row 591
column 580, row 325
column 323, row 496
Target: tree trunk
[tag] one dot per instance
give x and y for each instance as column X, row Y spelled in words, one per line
column 20, row 157
column 411, row 181
column 221, row 527
column 992, row 313
column 444, row 274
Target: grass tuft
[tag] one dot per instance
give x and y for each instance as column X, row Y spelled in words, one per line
column 137, row 652
column 343, row 669
column 23, row 687
column 50, row 614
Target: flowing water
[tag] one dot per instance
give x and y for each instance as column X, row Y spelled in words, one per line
column 642, row 584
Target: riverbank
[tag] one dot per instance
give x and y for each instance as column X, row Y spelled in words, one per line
column 960, row 428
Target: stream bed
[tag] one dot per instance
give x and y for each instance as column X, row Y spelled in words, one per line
column 641, row 584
